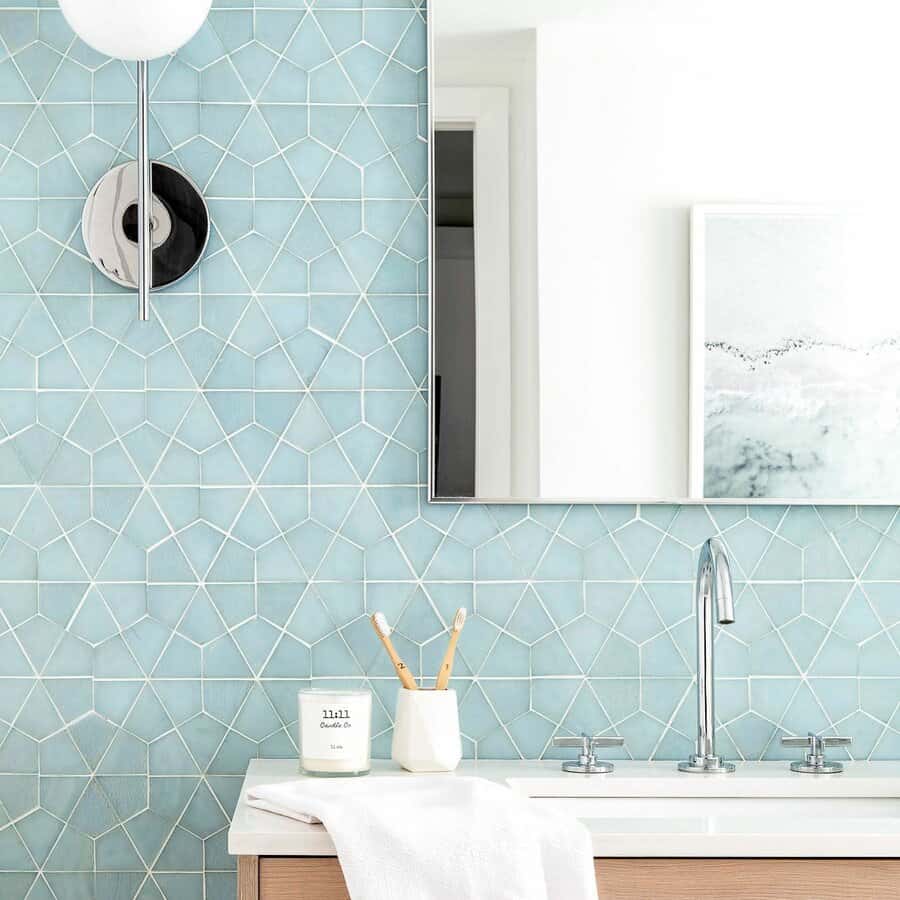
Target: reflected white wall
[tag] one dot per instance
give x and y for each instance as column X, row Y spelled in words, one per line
column 637, row 122
column 508, row 60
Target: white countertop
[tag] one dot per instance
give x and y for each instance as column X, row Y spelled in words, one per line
column 649, row 809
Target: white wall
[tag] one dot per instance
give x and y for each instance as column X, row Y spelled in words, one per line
column 636, row 122
column 508, row 60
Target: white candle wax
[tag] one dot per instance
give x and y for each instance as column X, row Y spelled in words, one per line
column 335, row 731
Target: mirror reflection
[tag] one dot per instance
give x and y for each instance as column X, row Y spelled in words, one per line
column 663, row 251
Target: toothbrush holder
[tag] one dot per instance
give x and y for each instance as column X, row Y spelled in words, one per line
column 426, row 731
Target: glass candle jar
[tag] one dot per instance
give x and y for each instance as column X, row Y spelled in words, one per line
column 335, row 731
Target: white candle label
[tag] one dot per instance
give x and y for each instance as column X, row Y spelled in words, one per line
column 336, row 733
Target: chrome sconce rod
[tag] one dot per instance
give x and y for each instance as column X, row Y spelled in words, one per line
column 145, row 193
column 175, row 217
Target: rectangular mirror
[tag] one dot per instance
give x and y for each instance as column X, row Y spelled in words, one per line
column 663, row 251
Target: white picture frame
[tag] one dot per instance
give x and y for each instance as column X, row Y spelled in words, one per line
column 812, row 327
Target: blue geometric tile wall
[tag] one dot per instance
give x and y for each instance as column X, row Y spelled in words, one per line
column 197, row 514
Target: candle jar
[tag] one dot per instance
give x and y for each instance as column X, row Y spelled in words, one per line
column 335, row 732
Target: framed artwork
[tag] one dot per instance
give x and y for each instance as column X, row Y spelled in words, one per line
column 795, row 355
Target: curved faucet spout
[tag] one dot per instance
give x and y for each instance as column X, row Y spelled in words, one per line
column 714, row 568
column 713, row 595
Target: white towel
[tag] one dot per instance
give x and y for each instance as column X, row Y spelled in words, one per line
column 427, row 837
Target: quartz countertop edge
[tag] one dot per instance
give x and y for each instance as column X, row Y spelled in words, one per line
column 254, row 832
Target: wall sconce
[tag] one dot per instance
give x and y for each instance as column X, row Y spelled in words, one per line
column 124, row 220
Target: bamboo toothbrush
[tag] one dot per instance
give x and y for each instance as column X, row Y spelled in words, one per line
column 383, row 630
column 443, row 678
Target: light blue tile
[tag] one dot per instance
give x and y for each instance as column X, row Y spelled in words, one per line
column 286, row 84
column 234, row 28
column 211, row 397
column 748, row 541
column 781, row 562
column 803, row 638
column 879, row 656
column 37, row 62
column 397, row 85
column 641, row 733
column 274, row 28
column 18, row 29
column 308, row 47
column 823, row 559
column 617, row 656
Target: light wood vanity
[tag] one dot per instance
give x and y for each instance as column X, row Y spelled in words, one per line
column 684, row 857
column 320, row 878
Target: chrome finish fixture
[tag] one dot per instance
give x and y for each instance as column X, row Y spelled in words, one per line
column 179, row 225
column 713, row 588
column 814, row 762
column 587, row 762
column 136, row 30
column 145, row 193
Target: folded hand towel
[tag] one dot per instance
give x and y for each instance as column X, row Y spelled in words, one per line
column 441, row 838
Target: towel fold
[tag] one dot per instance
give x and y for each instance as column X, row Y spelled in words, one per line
column 441, row 838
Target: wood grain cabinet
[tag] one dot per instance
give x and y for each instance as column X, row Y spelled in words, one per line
column 320, row 878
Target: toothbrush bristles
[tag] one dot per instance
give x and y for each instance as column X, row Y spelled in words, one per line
column 381, row 623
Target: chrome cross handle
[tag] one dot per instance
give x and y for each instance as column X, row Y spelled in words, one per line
column 587, row 762
column 814, row 761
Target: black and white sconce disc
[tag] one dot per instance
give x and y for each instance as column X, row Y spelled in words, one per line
column 179, row 224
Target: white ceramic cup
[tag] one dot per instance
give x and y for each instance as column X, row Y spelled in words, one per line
column 426, row 731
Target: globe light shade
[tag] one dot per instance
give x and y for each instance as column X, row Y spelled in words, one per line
column 135, row 29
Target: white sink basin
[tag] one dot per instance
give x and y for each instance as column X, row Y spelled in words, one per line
column 649, row 809
column 763, row 809
column 771, row 808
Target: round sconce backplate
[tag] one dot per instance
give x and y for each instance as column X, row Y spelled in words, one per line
column 179, row 224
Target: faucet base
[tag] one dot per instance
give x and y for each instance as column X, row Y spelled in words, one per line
column 706, row 765
column 593, row 767
column 826, row 768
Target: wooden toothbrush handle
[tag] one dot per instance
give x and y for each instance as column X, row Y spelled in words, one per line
column 403, row 673
column 443, row 678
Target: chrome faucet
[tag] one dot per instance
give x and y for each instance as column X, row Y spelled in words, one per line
column 713, row 589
